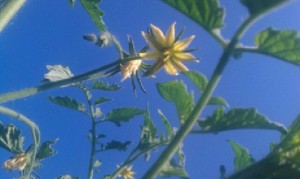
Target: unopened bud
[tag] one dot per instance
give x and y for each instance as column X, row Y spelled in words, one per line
column 90, row 37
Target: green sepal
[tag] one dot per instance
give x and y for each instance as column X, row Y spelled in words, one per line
column 237, row 118
column 242, row 158
column 68, row 103
column 131, row 47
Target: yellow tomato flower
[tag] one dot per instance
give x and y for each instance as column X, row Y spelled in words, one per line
column 127, row 173
column 168, row 51
column 18, row 162
column 129, row 68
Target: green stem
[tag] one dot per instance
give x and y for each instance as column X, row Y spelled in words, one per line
column 34, row 132
column 217, row 35
column 185, row 129
column 118, row 46
column 131, row 158
column 93, row 130
column 90, row 75
column 8, row 8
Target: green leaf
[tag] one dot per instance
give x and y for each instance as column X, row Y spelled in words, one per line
column 123, row 115
column 289, row 148
column 197, row 78
column 92, row 8
column 11, row 138
column 101, row 100
column 242, row 157
column 116, row 145
column 282, row 44
column 237, row 118
column 175, row 92
column 68, row 103
column 100, row 85
column 149, row 132
column 170, row 170
column 46, row 150
column 256, row 7
column 166, row 124
column 282, row 162
column 217, row 101
column 207, row 13
column 201, row 82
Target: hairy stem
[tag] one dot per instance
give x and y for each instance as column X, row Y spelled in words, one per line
column 185, row 129
column 90, row 75
column 93, row 130
column 8, row 8
column 34, row 132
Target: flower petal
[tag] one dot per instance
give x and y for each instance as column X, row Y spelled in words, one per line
column 179, row 65
column 170, row 69
column 184, row 56
column 150, row 55
column 170, row 37
column 151, row 41
column 183, row 44
column 158, row 34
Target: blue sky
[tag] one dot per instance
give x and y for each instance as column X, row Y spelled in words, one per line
column 50, row 32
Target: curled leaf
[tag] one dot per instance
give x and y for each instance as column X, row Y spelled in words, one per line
column 237, row 118
column 11, row 138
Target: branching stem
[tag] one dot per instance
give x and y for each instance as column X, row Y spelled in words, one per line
column 34, row 132
column 90, row 75
column 185, row 129
column 93, row 131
